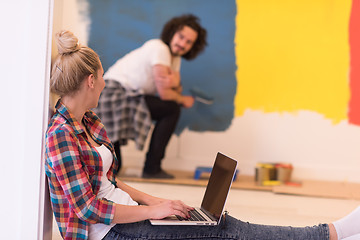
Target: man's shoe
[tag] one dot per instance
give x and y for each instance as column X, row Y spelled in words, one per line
column 159, row 175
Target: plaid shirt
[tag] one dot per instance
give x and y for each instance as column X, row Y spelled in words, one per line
column 74, row 170
column 124, row 113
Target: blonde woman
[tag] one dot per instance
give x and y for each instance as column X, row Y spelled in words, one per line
column 81, row 166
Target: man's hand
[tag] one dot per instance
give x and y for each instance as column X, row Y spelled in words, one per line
column 187, row 101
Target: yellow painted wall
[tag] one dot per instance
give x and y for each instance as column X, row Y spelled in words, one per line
column 293, row 55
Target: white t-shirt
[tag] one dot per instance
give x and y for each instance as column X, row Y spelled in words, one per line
column 110, row 192
column 134, row 70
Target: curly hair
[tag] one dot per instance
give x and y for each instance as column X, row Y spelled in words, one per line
column 177, row 23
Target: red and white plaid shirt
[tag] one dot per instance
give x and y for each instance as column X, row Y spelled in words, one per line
column 74, row 170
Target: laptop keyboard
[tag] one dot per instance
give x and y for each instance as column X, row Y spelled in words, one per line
column 194, row 216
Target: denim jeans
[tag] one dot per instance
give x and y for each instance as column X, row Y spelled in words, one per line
column 230, row 228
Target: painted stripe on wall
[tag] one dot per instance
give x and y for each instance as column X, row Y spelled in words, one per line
column 354, row 40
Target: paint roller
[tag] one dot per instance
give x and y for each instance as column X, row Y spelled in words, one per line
column 201, row 96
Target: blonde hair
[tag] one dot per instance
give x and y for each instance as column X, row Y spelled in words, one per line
column 73, row 63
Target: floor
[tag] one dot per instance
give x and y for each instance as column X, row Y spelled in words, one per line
column 257, row 206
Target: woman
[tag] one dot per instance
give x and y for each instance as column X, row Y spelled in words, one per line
column 81, row 166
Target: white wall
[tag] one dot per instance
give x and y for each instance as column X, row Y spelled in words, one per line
column 23, row 100
column 316, row 147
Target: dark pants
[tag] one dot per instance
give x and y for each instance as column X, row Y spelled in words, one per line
column 166, row 115
column 118, row 154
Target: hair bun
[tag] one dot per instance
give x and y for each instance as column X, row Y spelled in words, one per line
column 67, row 42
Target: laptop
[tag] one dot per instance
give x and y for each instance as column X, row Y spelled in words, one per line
column 214, row 199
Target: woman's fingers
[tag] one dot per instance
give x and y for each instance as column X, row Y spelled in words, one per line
column 182, row 208
column 171, row 207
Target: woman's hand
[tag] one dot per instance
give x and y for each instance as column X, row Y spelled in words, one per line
column 169, row 207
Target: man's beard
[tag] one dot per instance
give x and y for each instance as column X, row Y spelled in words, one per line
column 181, row 49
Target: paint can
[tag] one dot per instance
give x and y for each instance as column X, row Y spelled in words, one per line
column 284, row 172
column 264, row 172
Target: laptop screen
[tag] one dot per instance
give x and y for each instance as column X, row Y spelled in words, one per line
column 219, row 185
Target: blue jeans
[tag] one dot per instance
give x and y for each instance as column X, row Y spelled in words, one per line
column 230, row 228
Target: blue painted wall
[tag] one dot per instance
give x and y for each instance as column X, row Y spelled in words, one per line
column 119, row 26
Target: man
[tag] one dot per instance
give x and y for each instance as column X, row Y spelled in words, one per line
column 145, row 85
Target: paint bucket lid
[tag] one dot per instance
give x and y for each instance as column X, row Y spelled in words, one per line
column 265, row 165
column 284, row 165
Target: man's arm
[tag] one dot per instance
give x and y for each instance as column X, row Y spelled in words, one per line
column 165, row 76
column 169, row 87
